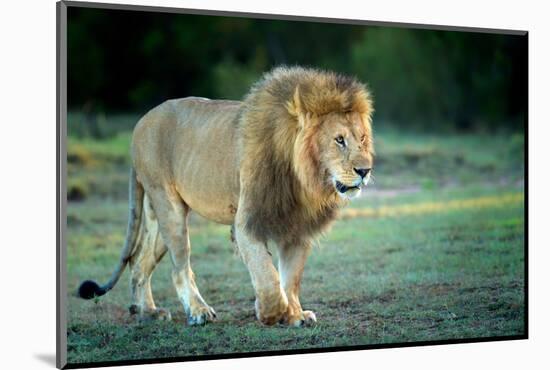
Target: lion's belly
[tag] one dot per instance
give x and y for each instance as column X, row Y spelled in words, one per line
column 221, row 210
column 206, row 166
column 213, row 199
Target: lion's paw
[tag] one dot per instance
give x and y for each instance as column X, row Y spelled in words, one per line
column 158, row 314
column 161, row 314
column 273, row 313
column 309, row 318
column 306, row 318
column 201, row 315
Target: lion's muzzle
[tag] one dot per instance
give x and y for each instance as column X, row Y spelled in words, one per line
column 344, row 188
column 362, row 172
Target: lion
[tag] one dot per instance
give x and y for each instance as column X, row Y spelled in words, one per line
column 276, row 167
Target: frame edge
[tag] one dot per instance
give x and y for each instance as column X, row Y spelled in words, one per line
column 61, row 128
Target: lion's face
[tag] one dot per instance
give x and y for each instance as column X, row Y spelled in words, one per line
column 346, row 153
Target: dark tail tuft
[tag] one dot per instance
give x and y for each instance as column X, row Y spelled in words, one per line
column 89, row 289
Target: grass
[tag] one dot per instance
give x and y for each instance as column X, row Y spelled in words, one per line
column 433, row 251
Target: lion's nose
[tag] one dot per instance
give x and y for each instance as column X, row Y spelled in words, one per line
column 362, row 171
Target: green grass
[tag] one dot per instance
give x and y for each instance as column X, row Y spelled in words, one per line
column 430, row 161
column 444, row 274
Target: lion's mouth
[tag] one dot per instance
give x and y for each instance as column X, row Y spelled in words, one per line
column 344, row 188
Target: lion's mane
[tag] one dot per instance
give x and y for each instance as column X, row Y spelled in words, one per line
column 284, row 194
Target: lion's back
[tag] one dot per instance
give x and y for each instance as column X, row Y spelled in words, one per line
column 192, row 144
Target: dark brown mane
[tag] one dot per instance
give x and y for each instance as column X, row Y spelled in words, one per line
column 279, row 206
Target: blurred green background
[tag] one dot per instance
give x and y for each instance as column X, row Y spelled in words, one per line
column 432, row 250
column 120, row 61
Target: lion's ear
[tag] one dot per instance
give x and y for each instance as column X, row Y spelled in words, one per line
column 366, row 118
column 294, row 107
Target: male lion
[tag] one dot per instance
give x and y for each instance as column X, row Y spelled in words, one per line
column 276, row 167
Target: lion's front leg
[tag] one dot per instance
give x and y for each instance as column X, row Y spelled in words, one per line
column 271, row 300
column 292, row 260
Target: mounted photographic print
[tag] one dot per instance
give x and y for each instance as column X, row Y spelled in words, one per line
column 235, row 185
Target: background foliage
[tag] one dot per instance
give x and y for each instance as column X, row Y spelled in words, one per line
column 132, row 61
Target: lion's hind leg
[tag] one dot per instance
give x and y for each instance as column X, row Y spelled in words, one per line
column 148, row 252
column 172, row 214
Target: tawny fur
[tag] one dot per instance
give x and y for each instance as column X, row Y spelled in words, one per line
column 268, row 166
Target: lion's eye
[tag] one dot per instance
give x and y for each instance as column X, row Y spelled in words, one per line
column 363, row 138
column 340, row 140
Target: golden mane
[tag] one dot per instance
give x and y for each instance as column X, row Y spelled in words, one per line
column 285, row 197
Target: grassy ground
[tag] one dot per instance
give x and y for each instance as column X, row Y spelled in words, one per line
column 433, row 250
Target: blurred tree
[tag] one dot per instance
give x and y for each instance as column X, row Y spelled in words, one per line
column 444, row 79
column 441, row 80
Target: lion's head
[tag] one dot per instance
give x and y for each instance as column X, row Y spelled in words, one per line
column 338, row 154
column 307, row 145
column 345, row 152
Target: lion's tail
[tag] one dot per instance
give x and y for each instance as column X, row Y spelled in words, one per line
column 90, row 289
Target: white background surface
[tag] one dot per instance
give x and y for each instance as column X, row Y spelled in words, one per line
column 27, row 180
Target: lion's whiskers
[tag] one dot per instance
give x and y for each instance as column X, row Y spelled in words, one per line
column 371, row 178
